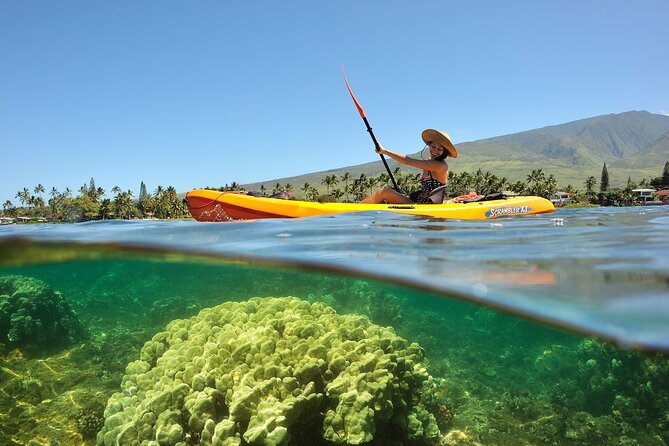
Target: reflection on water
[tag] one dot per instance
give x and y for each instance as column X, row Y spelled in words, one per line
column 497, row 379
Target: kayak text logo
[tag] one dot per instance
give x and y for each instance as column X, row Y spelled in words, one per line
column 511, row 210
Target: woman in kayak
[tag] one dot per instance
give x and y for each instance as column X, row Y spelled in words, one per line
column 435, row 171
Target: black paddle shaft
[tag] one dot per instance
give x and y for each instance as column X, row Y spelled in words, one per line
column 377, row 146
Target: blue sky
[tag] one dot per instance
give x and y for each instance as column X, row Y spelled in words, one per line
column 202, row 93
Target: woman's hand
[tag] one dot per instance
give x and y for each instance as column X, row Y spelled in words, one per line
column 381, row 150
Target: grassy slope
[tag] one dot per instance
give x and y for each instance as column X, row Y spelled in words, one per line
column 633, row 144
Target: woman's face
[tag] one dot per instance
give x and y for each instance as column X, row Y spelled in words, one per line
column 436, row 149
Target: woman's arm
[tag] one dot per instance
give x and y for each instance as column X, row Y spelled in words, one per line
column 438, row 167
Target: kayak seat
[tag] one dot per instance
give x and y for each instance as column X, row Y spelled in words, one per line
column 437, row 195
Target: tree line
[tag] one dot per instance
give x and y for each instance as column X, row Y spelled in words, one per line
column 90, row 204
column 164, row 203
column 607, row 196
column 350, row 189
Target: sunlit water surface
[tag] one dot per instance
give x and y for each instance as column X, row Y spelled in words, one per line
column 508, row 311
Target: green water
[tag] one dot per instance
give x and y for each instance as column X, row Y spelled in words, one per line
column 499, row 380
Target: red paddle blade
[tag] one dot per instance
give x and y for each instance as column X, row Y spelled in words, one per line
column 357, row 104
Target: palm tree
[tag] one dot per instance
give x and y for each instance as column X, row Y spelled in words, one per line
column 124, row 204
column 39, row 201
column 628, row 195
column 494, row 183
column 590, row 184
column 478, row 180
column 334, row 180
column 346, row 178
column 105, row 209
column 363, row 185
column 277, row 188
column 536, row 182
column 54, row 202
column 39, row 204
column 172, row 207
column 460, row 184
column 263, row 189
column 306, row 187
column 537, row 175
column 408, row 183
column 177, row 208
column 313, row 193
column 358, row 187
column 348, row 190
column 384, row 179
column 550, row 186
column 54, row 192
column 518, row 187
column 9, row 208
column 24, row 196
column 327, row 182
column 164, row 204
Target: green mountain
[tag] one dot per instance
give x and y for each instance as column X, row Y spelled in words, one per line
column 633, row 144
column 654, row 155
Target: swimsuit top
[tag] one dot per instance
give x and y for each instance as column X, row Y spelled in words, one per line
column 428, row 184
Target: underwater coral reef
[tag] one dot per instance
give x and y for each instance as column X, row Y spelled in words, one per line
column 34, row 316
column 174, row 353
column 271, row 371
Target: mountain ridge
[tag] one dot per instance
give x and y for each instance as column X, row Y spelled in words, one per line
column 633, row 144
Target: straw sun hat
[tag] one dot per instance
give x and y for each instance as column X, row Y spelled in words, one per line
column 442, row 138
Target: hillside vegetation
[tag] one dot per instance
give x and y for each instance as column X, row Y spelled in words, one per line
column 633, row 144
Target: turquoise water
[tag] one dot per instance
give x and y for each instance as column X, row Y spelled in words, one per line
column 535, row 330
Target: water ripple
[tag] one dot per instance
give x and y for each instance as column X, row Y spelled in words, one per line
column 604, row 271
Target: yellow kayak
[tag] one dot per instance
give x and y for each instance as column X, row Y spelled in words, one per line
column 211, row 205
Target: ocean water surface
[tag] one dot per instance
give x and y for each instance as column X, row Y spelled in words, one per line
column 538, row 330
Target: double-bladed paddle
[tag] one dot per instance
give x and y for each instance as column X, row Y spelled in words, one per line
column 369, row 129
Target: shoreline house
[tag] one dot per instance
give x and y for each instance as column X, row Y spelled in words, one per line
column 561, row 199
column 663, row 196
column 644, row 195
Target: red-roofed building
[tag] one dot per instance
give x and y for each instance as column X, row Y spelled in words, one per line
column 663, row 195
